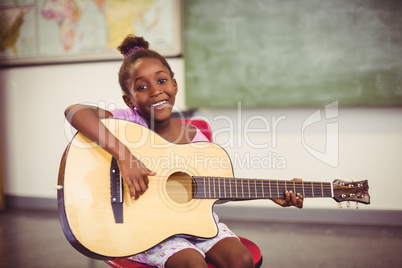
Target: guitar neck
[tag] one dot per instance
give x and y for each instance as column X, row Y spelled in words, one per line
column 235, row 188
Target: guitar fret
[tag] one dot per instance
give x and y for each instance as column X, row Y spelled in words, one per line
column 317, row 189
column 238, row 188
column 213, row 186
column 252, row 189
column 231, row 192
column 228, row 193
column 246, row 188
column 249, row 190
column 307, row 190
column 277, row 189
column 299, row 188
column 303, row 189
column 235, row 183
column 208, row 192
column 219, row 187
column 282, row 189
column 322, row 190
column 262, row 189
column 242, row 188
column 216, row 187
column 269, row 186
column 312, row 188
column 210, row 187
column 205, row 189
column 224, row 186
column 327, row 190
column 255, row 188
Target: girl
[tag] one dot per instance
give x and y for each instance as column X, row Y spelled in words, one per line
column 149, row 90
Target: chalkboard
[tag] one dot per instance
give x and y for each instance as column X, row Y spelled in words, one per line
column 284, row 53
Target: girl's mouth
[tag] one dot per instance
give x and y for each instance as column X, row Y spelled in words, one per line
column 159, row 104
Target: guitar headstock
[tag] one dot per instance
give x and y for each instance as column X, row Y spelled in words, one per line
column 351, row 191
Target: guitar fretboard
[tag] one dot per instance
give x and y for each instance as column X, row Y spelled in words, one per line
column 234, row 188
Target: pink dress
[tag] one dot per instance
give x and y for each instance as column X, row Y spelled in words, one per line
column 159, row 254
column 133, row 116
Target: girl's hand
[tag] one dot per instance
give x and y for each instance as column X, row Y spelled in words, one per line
column 291, row 199
column 135, row 174
column 86, row 119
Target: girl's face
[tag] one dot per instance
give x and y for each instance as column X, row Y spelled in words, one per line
column 152, row 90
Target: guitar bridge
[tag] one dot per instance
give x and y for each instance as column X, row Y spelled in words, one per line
column 116, row 191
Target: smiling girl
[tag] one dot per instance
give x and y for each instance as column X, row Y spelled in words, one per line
column 149, row 91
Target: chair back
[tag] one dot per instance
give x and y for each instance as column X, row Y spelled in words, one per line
column 202, row 125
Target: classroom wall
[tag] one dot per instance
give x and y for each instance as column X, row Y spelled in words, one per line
column 278, row 143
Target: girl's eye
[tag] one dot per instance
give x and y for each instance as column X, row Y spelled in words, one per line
column 141, row 88
column 161, row 81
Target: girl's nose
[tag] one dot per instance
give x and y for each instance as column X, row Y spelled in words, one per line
column 155, row 92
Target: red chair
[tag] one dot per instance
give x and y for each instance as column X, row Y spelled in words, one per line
column 252, row 247
column 201, row 125
column 126, row 263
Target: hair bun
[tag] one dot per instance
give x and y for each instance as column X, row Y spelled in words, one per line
column 131, row 42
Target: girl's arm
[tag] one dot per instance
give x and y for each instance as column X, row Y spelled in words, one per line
column 86, row 119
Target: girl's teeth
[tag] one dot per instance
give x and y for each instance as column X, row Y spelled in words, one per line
column 158, row 103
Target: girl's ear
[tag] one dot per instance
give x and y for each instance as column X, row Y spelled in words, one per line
column 128, row 101
column 175, row 86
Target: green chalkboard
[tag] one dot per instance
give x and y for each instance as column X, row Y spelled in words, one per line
column 284, row 53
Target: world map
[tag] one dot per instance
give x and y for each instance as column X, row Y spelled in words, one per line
column 54, row 30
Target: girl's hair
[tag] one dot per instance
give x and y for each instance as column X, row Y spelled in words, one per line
column 134, row 48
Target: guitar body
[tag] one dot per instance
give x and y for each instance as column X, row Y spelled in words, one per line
column 165, row 209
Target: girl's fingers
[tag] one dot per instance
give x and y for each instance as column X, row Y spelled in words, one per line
column 287, row 198
column 130, row 188
column 300, row 201
column 138, row 191
column 293, row 198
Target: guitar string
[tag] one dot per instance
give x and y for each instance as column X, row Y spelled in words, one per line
column 259, row 185
column 251, row 192
column 163, row 178
column 258, row 181
column 261, row 181
column 208, row 195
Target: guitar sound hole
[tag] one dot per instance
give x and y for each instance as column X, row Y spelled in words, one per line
column 180, row 187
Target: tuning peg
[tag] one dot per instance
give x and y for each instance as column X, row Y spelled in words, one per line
column 357, row 205
column 348, row 204
column 339, row 205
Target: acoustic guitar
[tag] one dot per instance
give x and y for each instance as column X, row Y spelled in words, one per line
column 101, row 221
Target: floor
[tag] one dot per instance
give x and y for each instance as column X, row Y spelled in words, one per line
column 32, row 238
